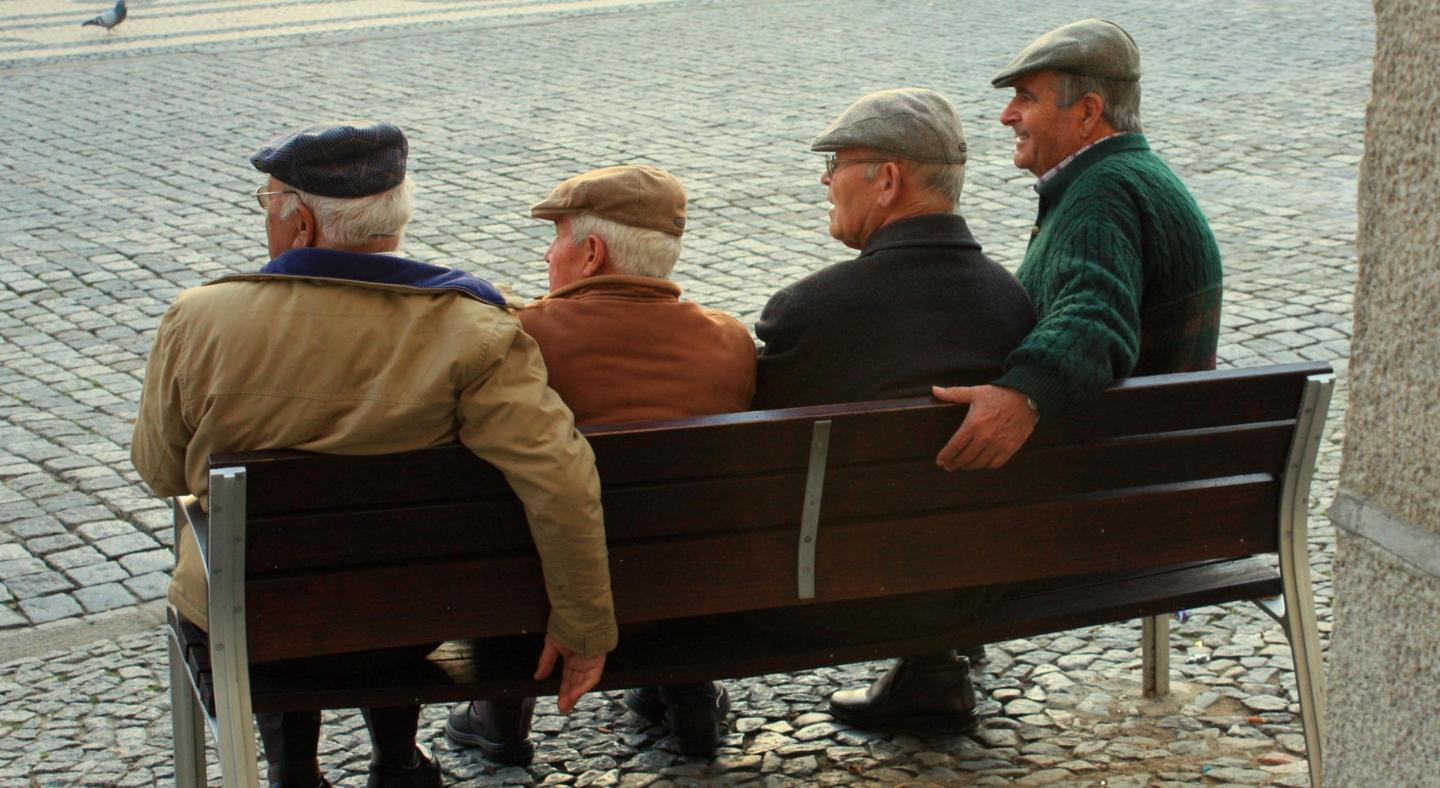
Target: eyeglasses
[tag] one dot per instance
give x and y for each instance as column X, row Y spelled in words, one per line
column 263, row 197
column 833, row 163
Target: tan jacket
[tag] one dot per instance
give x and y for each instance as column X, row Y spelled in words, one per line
column 626, row 348
column 254, row 362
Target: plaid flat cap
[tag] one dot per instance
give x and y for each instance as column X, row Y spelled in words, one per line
column 913, row 123
column 352, row 158
column 635, row 195
column 1089, row 47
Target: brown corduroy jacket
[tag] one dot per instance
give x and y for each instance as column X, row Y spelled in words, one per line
column 626, row 348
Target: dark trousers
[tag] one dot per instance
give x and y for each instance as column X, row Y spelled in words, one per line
column 292, row 739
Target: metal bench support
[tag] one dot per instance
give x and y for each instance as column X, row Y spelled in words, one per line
column 188, row 718
column 1155, row 655
column 810, row 510
column 1296, row 611
column 229, row 651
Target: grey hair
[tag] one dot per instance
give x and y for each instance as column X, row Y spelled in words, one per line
column 1121, row 98
column 947, row 180
column 632, row 250
column 355, row 221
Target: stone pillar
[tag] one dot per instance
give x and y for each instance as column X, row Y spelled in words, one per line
column 1384, row 674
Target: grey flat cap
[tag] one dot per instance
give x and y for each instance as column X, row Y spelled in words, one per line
column 355, row 158
column 1090, row 47
column 913, row 123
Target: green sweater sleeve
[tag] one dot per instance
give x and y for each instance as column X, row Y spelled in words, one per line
column 1087, row 270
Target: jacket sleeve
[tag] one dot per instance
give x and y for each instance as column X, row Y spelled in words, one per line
column 161, row 434
column 784, row 328
column 510, row 418
column 1089, row 333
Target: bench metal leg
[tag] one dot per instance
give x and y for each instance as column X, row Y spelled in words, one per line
column 1298, row 615
column 1155, row 654
column 188, row 720
column 238, row 767
column 1300, row 630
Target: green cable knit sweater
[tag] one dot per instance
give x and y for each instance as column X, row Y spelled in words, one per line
column 1124, row 274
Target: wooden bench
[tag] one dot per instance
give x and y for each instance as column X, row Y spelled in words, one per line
column 1165, row 493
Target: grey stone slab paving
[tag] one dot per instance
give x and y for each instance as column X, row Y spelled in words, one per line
column 124, row 181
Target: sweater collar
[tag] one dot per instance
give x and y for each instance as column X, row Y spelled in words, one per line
column 1054, row 188
column 618, row 284
column 931, row 229
column 379, row 269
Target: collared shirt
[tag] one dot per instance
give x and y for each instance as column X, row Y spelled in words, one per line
column 1053, row 171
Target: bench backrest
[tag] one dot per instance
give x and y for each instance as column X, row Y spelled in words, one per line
column 709, row 515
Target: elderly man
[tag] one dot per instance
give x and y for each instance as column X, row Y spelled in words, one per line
column 621, row 346
column 1123, row 269
column 618, row 341
column 329, row 348
column 920, row 304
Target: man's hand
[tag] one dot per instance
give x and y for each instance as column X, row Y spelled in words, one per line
column 997, row 425
column 579, row 674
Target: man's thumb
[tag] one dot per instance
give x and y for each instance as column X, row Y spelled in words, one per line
column 959, row 394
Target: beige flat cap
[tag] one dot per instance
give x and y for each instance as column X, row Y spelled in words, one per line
column 635, row 195
column 912, row 123
column 1090, row 47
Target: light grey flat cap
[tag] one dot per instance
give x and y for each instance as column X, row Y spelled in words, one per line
column 912, row 123
column 1090, row 47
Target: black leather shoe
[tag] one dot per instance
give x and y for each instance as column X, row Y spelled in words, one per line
column 932, row 693
column 695, row 713
column 646, row 702
column 498, row 728
column 976, row 655
column 423, row 773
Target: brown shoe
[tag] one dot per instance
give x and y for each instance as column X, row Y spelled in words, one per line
column 933, row 692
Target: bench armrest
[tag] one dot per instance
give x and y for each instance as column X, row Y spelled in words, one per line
column 188, row 512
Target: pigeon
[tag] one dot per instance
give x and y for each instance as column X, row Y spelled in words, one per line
column 109, row 19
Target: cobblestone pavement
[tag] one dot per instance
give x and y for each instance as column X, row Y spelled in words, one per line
column 123, row 179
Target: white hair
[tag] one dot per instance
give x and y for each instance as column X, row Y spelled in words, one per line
column 947, row 180
column 347, row 222
column 632, row 250
column 1120, row 98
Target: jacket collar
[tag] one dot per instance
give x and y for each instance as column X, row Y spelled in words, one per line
column 931, row 229
column 376, row 269
column 618, row 284
column 1052, row 190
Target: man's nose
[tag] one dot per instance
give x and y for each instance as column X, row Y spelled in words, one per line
column 825, row 178
column 1009, row 115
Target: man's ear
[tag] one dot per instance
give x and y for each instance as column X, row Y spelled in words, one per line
column 1092, row 113
column 307, row 233
column 890, row 181
column 595, row 255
